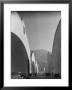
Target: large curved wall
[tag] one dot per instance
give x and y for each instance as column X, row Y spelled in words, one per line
column 54, row 59
column 19, row 58
column 57, row 49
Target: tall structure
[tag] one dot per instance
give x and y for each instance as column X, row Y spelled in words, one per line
column 19, row 45
column 54, row 64
column 56, row 52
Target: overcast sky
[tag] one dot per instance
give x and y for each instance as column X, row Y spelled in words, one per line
column 40, row 28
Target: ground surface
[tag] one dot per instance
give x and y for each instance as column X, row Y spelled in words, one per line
column 35, row 76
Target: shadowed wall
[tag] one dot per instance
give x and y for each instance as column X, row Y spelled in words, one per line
column 54, row 60
column 19, row 58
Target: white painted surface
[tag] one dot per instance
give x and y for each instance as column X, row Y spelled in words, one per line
column 18, row 28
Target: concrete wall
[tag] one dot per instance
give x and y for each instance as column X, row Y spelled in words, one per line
column 19, row 58
column 54, row 59
column 20, row 52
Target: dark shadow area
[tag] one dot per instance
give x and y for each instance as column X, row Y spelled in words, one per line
column 35, row 76
column 19, row 58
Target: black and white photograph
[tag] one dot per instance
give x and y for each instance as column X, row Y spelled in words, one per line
column 35, row 44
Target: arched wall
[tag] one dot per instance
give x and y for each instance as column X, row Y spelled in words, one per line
column 54, row 64
column 19, row 58
column 56, row 52
column 20, row 52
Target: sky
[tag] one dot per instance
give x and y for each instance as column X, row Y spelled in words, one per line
column 41, row 28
